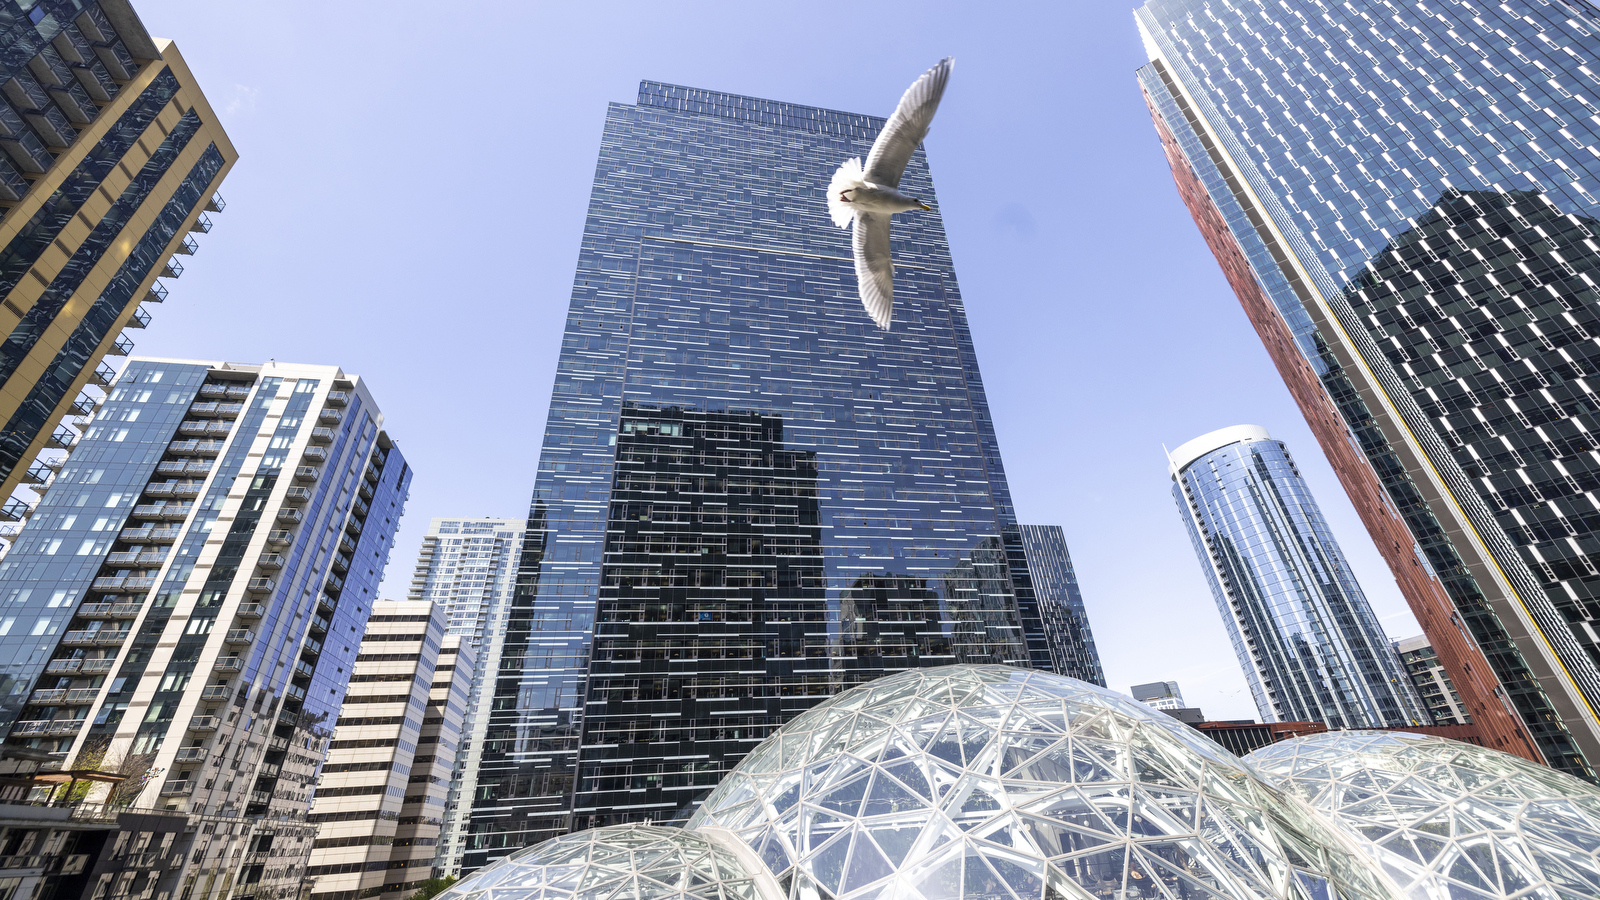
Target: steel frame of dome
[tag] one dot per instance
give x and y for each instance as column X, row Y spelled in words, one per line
column 1446, row 819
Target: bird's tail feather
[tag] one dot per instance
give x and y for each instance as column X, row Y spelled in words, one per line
column 849, row 175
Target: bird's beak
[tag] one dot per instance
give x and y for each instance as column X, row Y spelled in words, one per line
column 924, row 206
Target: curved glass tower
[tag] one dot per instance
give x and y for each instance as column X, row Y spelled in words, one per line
column 1305, row 636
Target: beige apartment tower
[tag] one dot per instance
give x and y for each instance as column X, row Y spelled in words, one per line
column 381, row 799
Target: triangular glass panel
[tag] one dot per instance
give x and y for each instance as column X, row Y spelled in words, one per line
column 895, row 840
column 1054, row 838
column 866, row 865
column 909, row 773
column 846, row 798
column 827, row 864
column 890, row 796
column 1023, row 876
column 942, row 881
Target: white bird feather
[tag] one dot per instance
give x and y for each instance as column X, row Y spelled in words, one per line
column 868, row 196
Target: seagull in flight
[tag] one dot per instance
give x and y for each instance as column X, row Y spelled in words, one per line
column 870, row 196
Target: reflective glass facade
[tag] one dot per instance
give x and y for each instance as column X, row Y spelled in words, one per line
column 1403, row 196
column 1308, row 642
column 108, row 155
column 1053, row 618
column 749, row 498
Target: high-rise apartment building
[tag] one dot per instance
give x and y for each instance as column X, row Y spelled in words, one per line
column 1431, row 681
column 1402, row 196
column 749, row 498
column 1054, row 622
column 111, row 158
column 191, row 592
column 1158, row 695
column 1309, row 644
column 468, row 567
column 381, row 798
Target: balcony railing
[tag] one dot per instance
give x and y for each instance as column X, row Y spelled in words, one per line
column 139, row 319
column 149, row 535
column 216, row 692
column 316, row 454
column 251, row 611
column 280, row 538
column 239, row 636
column 103, row 375
column 63, row 695
column 305, row 473
column 177, row 788
column 62, row 439
column 142, row 558
column 202, row 224
column 338, row 398
column 172, row 269
column 190, row 754
column 48, row 726
column 289, row 515
column 270, row 561
column 204, row 723
column 297, row 495
column 169, row 511
column 196, row 448
column 228, row 664
column 260, row 585
column 189, row 246
column 156, row 294
column 63, row 665
column 15, row 510
column 98, row 666
column 322, row 435
column 330, row 417
column 120, row 347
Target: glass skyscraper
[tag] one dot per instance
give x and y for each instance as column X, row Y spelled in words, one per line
column 1054, row 622
column 1403, row 197
column 1307, row 640
column 749, row 498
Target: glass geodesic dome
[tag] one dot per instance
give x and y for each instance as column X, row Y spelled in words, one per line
column 994, row 783
column 622, row 862
column 1447, row 820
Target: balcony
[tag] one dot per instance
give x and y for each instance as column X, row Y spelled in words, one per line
column 57, row 666
column 305, row 473
column 278, row 744
column 48, row 698
column 172, row 269
column 205, row 427
column 216, row 204
column 319, row 624
column 142, row 558
column 190, row 754
column 360, row 507
column 177, row 788
column 140, row 319
column 334, row 583
column 289, row 515
column 120, row 347
column 238, row 391
column 322, row 435
column 353, row 526
column 149, row 535
column 239, row 636
column 341, row 564
column 103, row 376
column 216, row 692
column 260, row 585
column 297, row 495
column 114, row 583
column 251, row 611
column 195, row 448
column 302, row 667
column 15, row 510
column 270, row 561
column 98, row 666
column 330, row 417
column 213, row 389
column 189, row 246
column 316, row 454
column 280, row 538
column 346, row 545
column 204, row 723
column 228, row 409
column 156, row 294
column 126, row 610
column 338, row 398
column 169, row 511
column 202, row 224
column 41, row 727
column 364, row 489
column 295, row 692
column 82, row 406
column 61, row 439
column 228, row 664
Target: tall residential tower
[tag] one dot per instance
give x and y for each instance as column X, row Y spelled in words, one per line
column 1402, row 194
column 1308, row 642
column 189, row 597
column 468, row 568
column 1054, row 621
column 111, row 158
column 749, row 498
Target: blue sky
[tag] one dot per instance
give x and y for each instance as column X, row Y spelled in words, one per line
column 411, row 191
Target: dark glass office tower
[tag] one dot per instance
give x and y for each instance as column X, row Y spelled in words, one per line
column 749, row 498
column 1054, row 622
column 1403, row 197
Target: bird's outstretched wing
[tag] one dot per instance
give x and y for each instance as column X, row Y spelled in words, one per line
column 908, row 126
column 874, row 268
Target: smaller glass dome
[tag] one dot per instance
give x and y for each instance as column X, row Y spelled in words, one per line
column 994, row 783
column 1447, row 819
column 622, row 862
